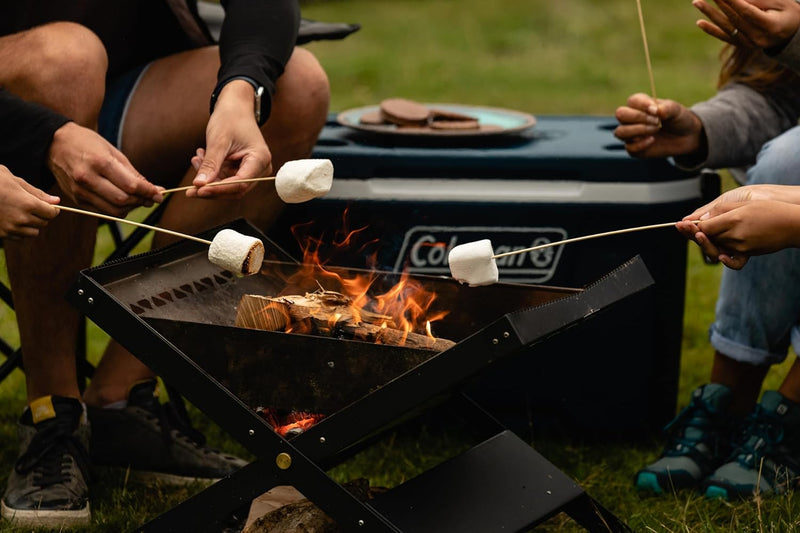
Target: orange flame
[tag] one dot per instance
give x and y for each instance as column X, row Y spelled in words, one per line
column 408, row 302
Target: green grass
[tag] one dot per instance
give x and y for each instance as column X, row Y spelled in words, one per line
column 564, row 57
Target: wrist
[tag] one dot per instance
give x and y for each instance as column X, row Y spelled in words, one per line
column 245, row 90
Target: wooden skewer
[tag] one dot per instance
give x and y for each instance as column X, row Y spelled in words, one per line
column 132, row 223
column 586, row 237
column 646, row 49
column 217, row 183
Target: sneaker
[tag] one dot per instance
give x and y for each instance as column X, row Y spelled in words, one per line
column 48, row 486
column 767, row 456
column 147, row 437
column 698, row 442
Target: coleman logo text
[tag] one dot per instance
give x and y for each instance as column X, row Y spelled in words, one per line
column 425, row 250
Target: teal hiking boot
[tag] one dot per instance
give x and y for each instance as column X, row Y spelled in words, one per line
column 767, row 455
column 698, row 442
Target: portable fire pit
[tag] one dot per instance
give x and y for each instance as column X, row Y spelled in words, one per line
column 177, row 312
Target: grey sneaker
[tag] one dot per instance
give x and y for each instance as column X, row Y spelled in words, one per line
column 698, row 443
column 49, row 484
column 767, row 456
column 156, row 445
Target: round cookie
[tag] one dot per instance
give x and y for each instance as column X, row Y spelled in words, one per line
column 404, row 112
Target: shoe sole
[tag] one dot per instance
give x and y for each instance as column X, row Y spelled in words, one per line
column 648, row 482
column 53, row 519
column 716, row 493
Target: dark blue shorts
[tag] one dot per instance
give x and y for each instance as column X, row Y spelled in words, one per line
column 115, row 104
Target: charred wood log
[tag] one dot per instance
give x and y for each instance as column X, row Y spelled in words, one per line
column 330, row 314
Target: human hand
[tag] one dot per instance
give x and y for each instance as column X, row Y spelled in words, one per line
column 658, row 128
column 24, row 209
column 235, row 147
column 90, row 171
column 754, row 23
column 733, row 231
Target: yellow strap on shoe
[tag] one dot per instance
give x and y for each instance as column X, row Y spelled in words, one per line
column 42, row 409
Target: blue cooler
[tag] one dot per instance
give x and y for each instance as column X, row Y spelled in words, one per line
column 408, row 201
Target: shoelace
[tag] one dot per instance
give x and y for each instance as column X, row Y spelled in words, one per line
column 169, row 419
column 695, row 415
column 48, row 454
column 759, row 438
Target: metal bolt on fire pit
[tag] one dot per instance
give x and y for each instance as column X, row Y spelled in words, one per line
column 322, row 440
column 495, row 341
column 251, row 432
column 283, row 460
column 360, row 522
column 331, row 364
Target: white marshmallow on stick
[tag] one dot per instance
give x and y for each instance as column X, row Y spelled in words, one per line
column 236, row 252
column 304, row 179
column 230, row 249
column 473, row 263
column 296, row 182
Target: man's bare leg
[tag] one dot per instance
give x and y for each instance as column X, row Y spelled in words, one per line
column 166, row 124
column 36, row 68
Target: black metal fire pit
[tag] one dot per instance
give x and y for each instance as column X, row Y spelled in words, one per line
column 175, row 311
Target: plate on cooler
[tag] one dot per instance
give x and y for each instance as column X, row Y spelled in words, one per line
column 492, row 121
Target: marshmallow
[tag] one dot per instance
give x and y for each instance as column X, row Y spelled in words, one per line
column 304, row 179
column 236, row 252
column 473, row 263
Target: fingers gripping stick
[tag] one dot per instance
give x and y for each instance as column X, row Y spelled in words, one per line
column 296, row 181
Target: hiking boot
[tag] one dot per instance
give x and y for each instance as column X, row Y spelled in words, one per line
column 154, row 442
column 48, row 486
column 767, row 455
column 698, row 442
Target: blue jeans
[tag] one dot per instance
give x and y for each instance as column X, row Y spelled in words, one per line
column 759, row 306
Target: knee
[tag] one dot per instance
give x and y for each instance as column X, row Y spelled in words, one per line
column 70, row 68
column 302, row 96
column 778, row 161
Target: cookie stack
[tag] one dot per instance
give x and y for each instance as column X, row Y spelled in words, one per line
column 408, row 114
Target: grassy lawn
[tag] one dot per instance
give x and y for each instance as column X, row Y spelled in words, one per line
column 566, row 57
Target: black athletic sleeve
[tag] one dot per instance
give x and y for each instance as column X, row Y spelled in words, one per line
column 26, row 132
column 256, row 40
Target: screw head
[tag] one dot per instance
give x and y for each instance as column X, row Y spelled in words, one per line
column 283, row 460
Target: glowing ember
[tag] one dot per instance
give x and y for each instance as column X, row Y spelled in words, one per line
column 289, row 423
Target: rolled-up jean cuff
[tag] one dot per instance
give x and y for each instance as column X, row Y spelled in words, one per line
column 746, row 354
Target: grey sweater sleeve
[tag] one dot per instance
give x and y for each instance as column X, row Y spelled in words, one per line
column 738, row 120
column 789, row 55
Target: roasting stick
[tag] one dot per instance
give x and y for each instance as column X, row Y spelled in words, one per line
column 132, row 223
column 217, row 183
column 475, row 263
column 587, row 237
column 230, row 249
column 646, row 49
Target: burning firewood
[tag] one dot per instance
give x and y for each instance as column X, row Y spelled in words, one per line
column 330, row 314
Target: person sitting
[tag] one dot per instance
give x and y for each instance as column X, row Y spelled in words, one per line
column 136, row 97
column 724, row 442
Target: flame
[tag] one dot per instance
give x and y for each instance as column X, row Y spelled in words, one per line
column 408, row 304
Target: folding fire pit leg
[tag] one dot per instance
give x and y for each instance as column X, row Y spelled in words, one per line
column 587, row 512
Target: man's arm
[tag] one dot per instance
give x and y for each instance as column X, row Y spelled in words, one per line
column 25, row 137
column 256, row 40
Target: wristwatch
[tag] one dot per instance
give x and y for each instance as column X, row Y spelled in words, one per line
column 257, row 101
